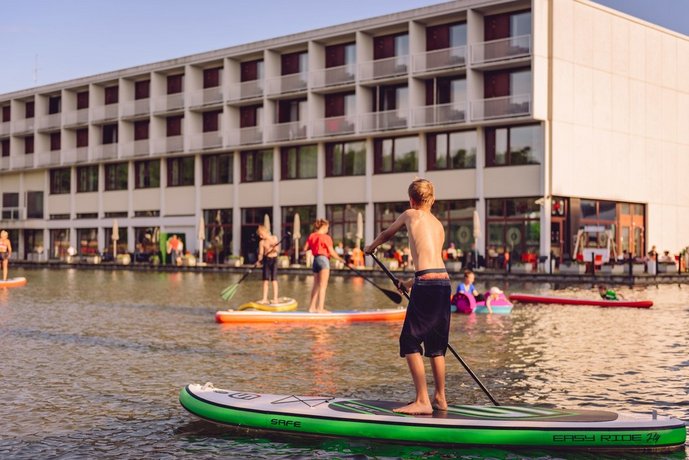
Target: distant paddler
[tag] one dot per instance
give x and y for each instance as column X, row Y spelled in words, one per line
column 5, row 252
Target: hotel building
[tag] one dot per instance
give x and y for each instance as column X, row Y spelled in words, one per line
column 542, row 115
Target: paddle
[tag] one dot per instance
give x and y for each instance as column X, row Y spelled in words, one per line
column 392, row 295
column 399, row 286
column 230, row 290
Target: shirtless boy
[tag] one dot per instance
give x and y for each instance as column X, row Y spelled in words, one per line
column 428, row 314
column 268, row 250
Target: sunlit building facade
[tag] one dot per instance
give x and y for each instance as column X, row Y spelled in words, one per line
column 543, row 116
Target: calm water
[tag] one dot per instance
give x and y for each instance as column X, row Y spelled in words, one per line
column 93, row 361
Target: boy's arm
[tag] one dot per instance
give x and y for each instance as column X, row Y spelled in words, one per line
column 260, row 251
column 386, row 234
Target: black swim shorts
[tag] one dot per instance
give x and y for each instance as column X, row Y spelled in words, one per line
column 270, row 268
column 428, row 319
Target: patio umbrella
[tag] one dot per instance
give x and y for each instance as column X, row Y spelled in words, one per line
column 202, row 237
column 266, row 221
column 359, row 229
column 115, row 237
column 296, row 235
column 477, row 234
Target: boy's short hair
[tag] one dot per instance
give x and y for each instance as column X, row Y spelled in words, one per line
column 468, row 272
column 602, row 286
column 422, row 192
column 261, row 228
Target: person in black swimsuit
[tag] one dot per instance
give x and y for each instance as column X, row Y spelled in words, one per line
column 268, row 250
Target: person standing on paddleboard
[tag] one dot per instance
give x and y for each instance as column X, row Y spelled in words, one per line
column 321, row 246
column 5, row 252
column 268, row 250
column 426, row 326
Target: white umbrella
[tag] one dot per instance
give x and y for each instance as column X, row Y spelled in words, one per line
column 115, row 237
column 296, row 235
column 359, row 229
column 202, row 237
column 266, row 222
column 477, row 234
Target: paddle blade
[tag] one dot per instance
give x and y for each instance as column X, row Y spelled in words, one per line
column 229, row 292
column 394, row 296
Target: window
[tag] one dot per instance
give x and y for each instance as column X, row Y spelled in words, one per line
column 451, row 150
column 109, row 134
column 345, row 159
column 122, row 241
column 147, row 174
column 175, row 83
column 180, row 171
column 507, row 25
column 28, row 145
column 218, row 235
column 54, row 104
column 60, row 181
column 112, row 94
column 217, row 169
column 116, row 176
column 457, row 216
column 503, row 83
column 385, row 215
column 174, row 125
column 141, row 129
column 88, row 241
column 292, row 110
column 390, row 46
column 10, row 206
column 446, row 90
column 6, row 113
column 298, row 162
column 251, row 219
column 34, row 205
column 514, row 225
column 339, row 104
column 211, row 121
column 55, row 141
column 257, row 166
column 5, row 147
column 142, row 89
column 516, row 145
column 82, row 137
column 340, row 55
column 251, row 70
column 29, row 109
column 87, row 179
column 396, row 155
column 392, row 98
column 250, row 115
column 83, row 100
column 294, row 63
column 343, row 220
column 446, row 36
column 211, row 77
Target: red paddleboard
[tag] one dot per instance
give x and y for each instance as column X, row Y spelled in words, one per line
column 13, row 282
column 528, row 298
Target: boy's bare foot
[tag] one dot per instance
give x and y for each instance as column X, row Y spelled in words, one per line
column 415, row 408
column 263, row 301
column 323, row 311
column 275, row 301
column 439, row 403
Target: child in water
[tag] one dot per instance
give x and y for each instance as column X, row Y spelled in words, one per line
column 467, row 287
column 608, row 294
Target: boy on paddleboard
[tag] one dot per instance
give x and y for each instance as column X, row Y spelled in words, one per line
column 427, row 324
column 268, row 250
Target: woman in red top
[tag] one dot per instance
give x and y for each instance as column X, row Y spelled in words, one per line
column 321, row 246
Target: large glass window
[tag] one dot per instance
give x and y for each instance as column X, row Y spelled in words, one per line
column 451, row 150
column 307, row 216
column 122, row 241
column 457, row 216
column 34, row 205
column 60, row 180
column 147, row 174
column 516, row 145
column 257, row 166
column 218, row 244
column 298, row 162
column 345, row 220
column 345, row 159
column 514, row 225
column 217, row 169
column 251, row 219
column 147, row 243
column 116, row 176
column 59, row 243
column 180, row 171
column 396, row 155
column 386, row 214
column 88, row 241
column 87, row 179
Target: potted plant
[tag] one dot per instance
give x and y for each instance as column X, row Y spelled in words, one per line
column 571, row 267
column 155, row 259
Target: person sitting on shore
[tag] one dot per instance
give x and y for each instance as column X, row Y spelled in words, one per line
column 608, row 294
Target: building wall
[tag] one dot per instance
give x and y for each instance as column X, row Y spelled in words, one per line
column 620, row 113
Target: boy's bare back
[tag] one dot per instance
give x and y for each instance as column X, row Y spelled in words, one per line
column 426, row 238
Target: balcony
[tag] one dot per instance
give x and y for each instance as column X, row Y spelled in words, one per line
column 333, row 76
column 172, row 144
column 383, row 121
column 135, row 148
column 208, row 96
column 334, row 126
column 4, row 128
column 442, row 114
column 52, row 121
column 210, row 140
column 136, row 108
column 76, row 117
column 25, row 125
column 504, row 49
column 518, row 105
column 106, row 112
column 75, row 155
column 168, row 103
column 249, row 135
column 22, row 161
column 287, row 84
column 4, row 163
column 384, row 68
column 438, row 60
column 48, row 158
column 246, row 90
column 291, row 131
column 105, row 152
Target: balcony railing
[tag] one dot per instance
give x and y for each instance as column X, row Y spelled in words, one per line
column 4, row 128
column 333, row 126
column 384, row 68
column 439, row 114
column 382, row 121
column 287, row 84
column 105, row 152
column 287, row 131
column 135, row 148
column 209, row 140
column 247, row 136
column 517, row 105
column 170, row 144
column 48, row 158
column 518, row 47
column 106, row 112
column 22, row 161
column 76, row 117
column 169, row 102
column 333, row 76
column 22, row 126
column 137, row 107
column 51, row 121
column 207, row 96
column 76, row 155
column 4, row 163
column 246, row 90
column 448, row 58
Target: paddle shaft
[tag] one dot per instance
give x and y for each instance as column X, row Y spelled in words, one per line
column 459, row 358
column 395, row 297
